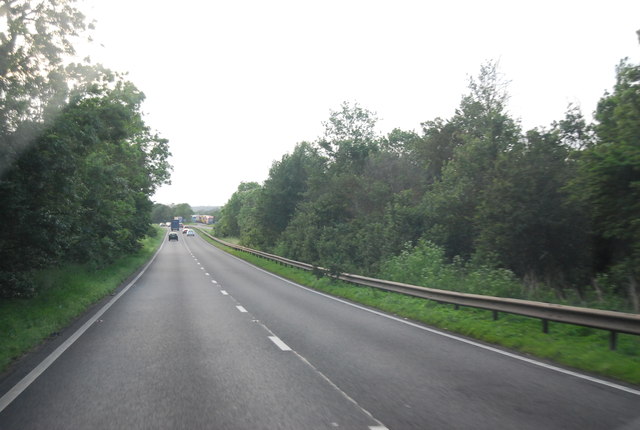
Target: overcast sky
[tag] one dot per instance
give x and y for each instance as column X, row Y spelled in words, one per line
column 234, row 85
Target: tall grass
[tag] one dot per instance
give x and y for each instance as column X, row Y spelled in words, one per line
column 63, row 294
column 425, row 265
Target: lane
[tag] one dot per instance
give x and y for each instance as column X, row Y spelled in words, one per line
column 412, row 378
column 174, row 352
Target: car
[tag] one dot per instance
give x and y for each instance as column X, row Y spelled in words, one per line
column 185, row 230
column 173, row 236
column 191, row 233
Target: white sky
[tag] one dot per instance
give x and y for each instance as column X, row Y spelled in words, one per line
column 234, row 85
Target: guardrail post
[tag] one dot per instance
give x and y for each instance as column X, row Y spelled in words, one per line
column 495, row 315
column 456, row 306
column 613, row 340
column 545, row 326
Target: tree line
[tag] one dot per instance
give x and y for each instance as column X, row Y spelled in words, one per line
column 78, row 164
column 165, row 213
column 555, row 208
column 161, row 213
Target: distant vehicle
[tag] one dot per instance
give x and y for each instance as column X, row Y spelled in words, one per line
column 203, row 219
column 173, row 236
column 175, row 225
column 185, row 230
column 191, row 233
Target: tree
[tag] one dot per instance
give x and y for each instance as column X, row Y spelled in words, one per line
column 436, row 147
column 230, row 217
column 161, row 213
column 473, row 189
column 481, row 130
column 525, row 218
column 398, row 141
column 609, row 180
column 333, row 193
column 349, row 136
column 81, row 191
column 77, row 162
column 123, row 166
column 36, row 36
column 284, row 189
column 182, row 210
column 573, row 130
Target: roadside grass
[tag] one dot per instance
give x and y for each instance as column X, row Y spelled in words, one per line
column 232, row 239
column 578, row 347
column 64, row 293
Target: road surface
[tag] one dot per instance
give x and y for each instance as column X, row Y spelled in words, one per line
column 202, row 340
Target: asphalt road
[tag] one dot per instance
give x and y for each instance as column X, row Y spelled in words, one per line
column 204, row 340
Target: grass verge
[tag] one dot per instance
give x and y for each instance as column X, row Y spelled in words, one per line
column 64, row 294
column 577, row 347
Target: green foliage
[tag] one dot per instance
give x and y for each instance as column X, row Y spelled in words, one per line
column 165, row 213
column 283, row 190
column 236, row 214
column 77, row 162
column 609, row 180
column 472, row 203
column 34, row 37
column 182, row 210
column 349, row 136
column 161, row 213
column 435, row 148
column 80, row 191
column 478, row 134
column 425, row 265
column 525, row 217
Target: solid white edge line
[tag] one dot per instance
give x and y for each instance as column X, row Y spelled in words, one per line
column 24, row 383
column 279, row 343
column 454, row 337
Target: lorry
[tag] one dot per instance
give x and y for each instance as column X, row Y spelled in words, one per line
column 175, row 225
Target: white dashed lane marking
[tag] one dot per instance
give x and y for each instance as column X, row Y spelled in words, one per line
column 279, row 343
column 241, row 309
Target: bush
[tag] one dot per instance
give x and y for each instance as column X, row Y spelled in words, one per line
column 425, row 265
column 13, row 285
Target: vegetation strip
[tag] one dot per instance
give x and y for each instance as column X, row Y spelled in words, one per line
column 63, row 294
column 548, row 214
column 578, row 347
